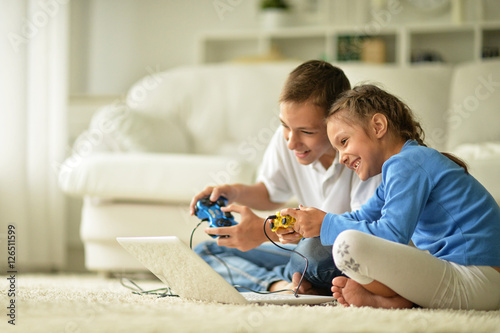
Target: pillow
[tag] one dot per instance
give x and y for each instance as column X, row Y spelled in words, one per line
column 124, row 129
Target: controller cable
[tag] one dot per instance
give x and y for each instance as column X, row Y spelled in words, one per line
column 161, row 292
column 271, row 217
column 167, row 292
column 137, row 290
column 192, row 234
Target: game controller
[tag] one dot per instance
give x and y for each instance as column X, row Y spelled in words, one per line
column 211, row 212
column 282, row 222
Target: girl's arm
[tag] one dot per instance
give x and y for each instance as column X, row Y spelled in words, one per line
column 398, row 204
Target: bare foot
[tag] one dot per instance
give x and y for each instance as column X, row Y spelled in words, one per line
column 284, row 286
column 290, row 287
column 349, row 292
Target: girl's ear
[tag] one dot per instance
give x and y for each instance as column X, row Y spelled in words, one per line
column 379, row 125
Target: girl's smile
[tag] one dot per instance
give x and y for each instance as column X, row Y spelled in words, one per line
column 355, row 164
column 358, row 151
column 363, row 149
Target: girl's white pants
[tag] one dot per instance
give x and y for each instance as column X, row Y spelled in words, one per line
column 416, row 275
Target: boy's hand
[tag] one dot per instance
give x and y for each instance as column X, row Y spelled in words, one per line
column 247, row 235
column 308, row 220
column 228, row 191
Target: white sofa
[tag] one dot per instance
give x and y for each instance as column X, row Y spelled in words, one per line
column 142, row 159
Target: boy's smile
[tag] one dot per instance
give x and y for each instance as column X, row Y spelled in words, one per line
column 305, row 132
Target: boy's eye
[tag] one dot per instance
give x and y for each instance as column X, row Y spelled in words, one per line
column 343, row 141
column 306, row 132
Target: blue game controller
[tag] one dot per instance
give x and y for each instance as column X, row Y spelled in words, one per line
column 210, row 211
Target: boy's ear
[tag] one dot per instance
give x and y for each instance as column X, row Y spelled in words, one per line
column 379, row 125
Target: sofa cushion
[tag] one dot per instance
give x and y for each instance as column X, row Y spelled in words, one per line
column 474, row 112
column 124, row 129
column 483, row 160
column 219, row 105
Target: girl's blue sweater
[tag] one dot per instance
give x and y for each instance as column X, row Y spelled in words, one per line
column 426, row 197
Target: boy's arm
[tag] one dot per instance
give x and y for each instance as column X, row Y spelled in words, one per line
column 255, row 196
column 248, row 233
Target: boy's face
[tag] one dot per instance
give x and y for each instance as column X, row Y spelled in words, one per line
column 358, row 150
column 304, row 129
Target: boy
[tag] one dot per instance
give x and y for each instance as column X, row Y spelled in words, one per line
column 300, row 162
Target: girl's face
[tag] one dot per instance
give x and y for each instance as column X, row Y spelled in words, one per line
column 305, row 131
column 359, row 150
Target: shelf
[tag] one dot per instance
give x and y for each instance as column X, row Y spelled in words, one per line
column 450, row 46
column 310, row 47
column 490, row 45
column 452, row 42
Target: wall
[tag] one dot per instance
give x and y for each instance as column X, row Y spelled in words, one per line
column 116, row 42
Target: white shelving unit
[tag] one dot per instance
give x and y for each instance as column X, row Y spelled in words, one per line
column 454, row 43
column 456, row 33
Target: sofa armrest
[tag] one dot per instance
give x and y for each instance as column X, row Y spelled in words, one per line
column 483, row 160
column 149, row 177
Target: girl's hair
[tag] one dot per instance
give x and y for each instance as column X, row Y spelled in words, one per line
column 316, row 81
column 362, row 102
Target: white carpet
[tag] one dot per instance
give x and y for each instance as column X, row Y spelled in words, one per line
column 87, row 303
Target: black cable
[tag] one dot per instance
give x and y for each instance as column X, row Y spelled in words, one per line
column 229, row 269
column 192, row 233
column 167, row 292
column 243, row 287
column 271, row 217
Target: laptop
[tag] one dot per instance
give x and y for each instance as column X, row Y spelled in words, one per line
column 190, row 277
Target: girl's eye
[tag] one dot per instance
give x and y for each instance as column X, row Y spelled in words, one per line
column 309, row 133
column 343, row 141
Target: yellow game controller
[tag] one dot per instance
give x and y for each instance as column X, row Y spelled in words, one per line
column 282, row 222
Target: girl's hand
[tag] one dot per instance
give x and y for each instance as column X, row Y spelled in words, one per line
column 288, row 235
column 308, row 220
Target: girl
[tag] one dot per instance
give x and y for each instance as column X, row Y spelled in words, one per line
column 425, row 196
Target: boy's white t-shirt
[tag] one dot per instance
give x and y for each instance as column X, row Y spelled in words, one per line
column 336, row 190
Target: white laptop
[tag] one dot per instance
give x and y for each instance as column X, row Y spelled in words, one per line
column 190, row 277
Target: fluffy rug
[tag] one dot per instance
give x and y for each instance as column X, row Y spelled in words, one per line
column 88, row 303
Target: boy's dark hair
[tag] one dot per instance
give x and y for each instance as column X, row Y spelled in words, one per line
column 315, row 81
column 362, row 102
